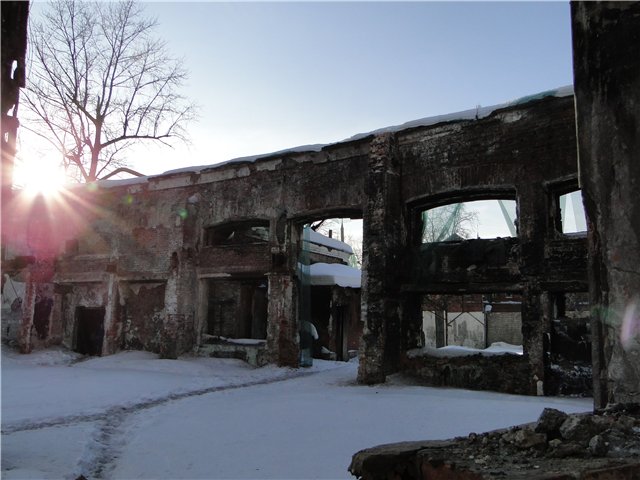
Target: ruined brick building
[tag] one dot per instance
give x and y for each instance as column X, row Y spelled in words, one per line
column 142, row 263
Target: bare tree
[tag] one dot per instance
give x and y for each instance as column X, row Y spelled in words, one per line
column 99, row 81
column 355, row 260
column 442, row 223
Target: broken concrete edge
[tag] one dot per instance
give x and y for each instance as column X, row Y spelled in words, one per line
column 377, row 459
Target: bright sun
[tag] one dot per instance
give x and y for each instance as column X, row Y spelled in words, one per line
column 39, row 177
column 46, row 184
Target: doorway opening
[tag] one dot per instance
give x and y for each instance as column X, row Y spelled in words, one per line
column 329, row 276
column 89, row 330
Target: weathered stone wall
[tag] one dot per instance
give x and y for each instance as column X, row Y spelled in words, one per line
column 499, row 373
column 606, row 49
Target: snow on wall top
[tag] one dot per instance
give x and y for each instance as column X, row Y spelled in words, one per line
column 122, row 182
column 335, row 274
column 497, row 348
column 319, row 239
column 472, row 114
column 249, row 159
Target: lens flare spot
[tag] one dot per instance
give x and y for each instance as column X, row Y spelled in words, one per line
column 630, row 323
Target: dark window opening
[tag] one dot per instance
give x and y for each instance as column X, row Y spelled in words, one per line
column 89, row 330
column 237, row 233
column 486, row 219
column 238, row 309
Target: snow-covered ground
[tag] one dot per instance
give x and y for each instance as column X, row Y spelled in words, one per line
column 132, row 415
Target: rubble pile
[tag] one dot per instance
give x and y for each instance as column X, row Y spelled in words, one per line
column 605, row 444
column 613, row 433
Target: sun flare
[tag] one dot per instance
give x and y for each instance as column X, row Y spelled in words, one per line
column 41, row 178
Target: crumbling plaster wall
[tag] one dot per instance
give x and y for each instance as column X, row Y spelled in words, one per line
column 155, row 234
column 141, row 314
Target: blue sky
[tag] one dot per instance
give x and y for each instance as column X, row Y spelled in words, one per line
column 269, row 76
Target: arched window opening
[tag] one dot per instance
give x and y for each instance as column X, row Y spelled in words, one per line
column 484, row 219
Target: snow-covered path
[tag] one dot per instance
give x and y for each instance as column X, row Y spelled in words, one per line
column 134, row 416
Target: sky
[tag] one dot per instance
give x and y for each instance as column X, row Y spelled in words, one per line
column 270, row 76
